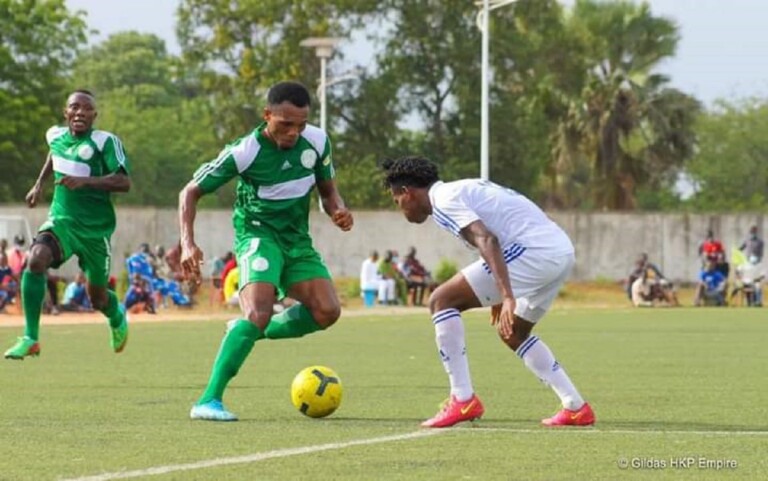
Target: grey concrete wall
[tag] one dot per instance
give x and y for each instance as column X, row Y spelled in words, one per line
column 606, row 243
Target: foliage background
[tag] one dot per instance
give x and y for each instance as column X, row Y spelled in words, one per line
column 580, row 118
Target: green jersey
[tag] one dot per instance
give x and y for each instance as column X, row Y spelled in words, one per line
column 275, row 185
column 95, row 153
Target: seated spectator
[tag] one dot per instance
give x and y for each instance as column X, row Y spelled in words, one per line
column 711, row 286
column 139, row 297
column 76, row 297
column 370, row 280
column 418, row 279
column 232, row 287
column 749, row 277
column 647, row 286
column 8, row 284
column 217, row 267
column 17, row 257
column 388, row 289
column 139, row 263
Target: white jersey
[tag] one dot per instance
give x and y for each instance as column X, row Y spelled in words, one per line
column 518, row 223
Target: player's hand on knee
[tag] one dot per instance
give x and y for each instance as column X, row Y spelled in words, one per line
column 504, row 321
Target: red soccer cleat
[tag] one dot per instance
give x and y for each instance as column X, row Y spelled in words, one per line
column 455, row 411
column 584, row 416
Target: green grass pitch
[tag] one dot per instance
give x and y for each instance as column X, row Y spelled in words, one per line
column 666, row 385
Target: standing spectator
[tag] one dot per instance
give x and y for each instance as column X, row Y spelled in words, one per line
column 3, row 246
column 75, row 296
column 370, row 281
column 710, row 248
column 753, row 245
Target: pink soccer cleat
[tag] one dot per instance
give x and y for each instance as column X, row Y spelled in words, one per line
column 455, row 411
column 584, row 416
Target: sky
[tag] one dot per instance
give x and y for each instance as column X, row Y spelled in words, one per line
column 723, row 52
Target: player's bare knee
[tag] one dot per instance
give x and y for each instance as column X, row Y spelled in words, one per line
column 326, row 315
column 259, row 316
column 438, row 301
column 516, row 339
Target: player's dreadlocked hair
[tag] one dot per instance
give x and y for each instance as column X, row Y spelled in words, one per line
column 411, row 171
column 292, row 92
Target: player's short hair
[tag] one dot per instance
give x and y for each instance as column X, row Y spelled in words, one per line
column 84, row 91
column 410, row 171
column 292, row 92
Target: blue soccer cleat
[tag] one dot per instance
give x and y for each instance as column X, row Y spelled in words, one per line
column 211, row 411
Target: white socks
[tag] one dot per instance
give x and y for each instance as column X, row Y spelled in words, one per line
column 540, row 360
column 449, row 335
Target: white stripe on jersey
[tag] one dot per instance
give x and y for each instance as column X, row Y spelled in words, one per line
column 293, row 189
column 317, row 137
column 54, row 132
column 70, row 167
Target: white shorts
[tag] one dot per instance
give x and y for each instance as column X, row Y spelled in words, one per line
column 536, row 279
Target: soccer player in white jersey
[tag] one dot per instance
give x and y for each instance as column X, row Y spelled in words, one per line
column 525, row 258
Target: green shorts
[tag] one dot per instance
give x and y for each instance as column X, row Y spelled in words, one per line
column 94, row 254
column 264, row 260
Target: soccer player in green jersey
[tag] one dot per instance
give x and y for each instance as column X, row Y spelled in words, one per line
column 277, row 164
column 87, row 166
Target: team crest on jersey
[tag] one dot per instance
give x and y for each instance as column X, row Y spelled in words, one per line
column 260, row 264
column 327, row 161
column 308, row 159
column 85, row 152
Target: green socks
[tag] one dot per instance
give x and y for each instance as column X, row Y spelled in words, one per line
column 32, row 294
column 113, row 311
column 296, row 321
column 235, row 347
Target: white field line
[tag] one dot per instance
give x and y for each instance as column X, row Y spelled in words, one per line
column 282, row 453
column 256, row 457
column 588, row 430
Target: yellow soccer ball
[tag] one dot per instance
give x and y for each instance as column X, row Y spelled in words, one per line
column 316, row 391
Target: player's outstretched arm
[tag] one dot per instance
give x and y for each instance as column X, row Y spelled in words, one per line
column 34, row 194
column 334, row 205
column 191, row 255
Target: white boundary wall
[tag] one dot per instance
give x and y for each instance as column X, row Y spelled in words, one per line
column 606, row 243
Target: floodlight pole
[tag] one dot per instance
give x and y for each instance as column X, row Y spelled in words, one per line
column 483, row 24
column 324, row 47
column 484, row 117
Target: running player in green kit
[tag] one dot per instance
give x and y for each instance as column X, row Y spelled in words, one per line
column 277, row 164
column 87, row 165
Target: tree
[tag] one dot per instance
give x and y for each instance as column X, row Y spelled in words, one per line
column 633, row 130
column 729, row 166
column 241, row 48
column 38, row 41
column 165, row 128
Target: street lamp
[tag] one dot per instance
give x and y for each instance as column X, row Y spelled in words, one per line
column 486, row 6
column 324, row 47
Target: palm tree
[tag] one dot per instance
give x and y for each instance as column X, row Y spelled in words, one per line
column 632, row 128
